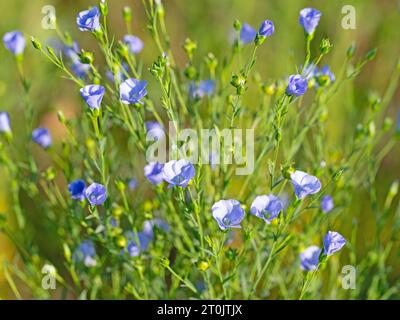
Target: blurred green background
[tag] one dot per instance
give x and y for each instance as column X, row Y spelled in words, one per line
column 209, row 22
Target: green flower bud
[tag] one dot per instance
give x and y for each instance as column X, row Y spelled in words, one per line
column 325, row 46
column 351, row 50
column 127, row 14
column 237, row 25
column 36, row 43
column 371, row 54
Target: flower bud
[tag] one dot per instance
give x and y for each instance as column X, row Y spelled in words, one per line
column 203, row 265
column 190, row 47
column 36, row 43
column 127, row 14
column 325, row 46
column 237, row 25
column 104, row 7
column 86, row 57
column 351, row 50
column 371, row 54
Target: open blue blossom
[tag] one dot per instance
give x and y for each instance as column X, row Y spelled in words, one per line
column 135, row 45
column 297, row 85
column 178, row 172
column 89, row 20
column 14, row 41
column 150, row 225
column 266, row 29
column 228, row 213
column 333, row 242
column 137, row 242
column 96, row 194
column 154, row 172
column 309, row 19
column 304, row 184
column 247, row 33
column 93, row 94
column 85, row 253
column 327, row 203
column 309, row 258
column 266, row 207
column 132, row 91
column 76, row 189
column 154, row 130
column 205, row 88
column 5, row 125
column 42, row 137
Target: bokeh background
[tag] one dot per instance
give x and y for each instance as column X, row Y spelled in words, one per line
column 209, row 22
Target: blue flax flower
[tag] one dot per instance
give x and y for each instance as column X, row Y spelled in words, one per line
column 154, row 224
column 297, row 85
column 205, row 88
column 85, row 253
column 93, row 94
column 266, row 207
column 155, row 130
column 266, row 29
column 14, row 41
column 309, row 258
column 327, row 203
column 42, row 137
column 178, row 172
column 333, row 242
column 96, row 194
column 76, row 189
column 137, row 242
column 153, row 172
column 247, row 33
column 132, row 184
column 135, row 45
column 89, row 20
column 132, row 91
column 5, row 126
column 228, row 213
column 309, row 19
column 304, row 184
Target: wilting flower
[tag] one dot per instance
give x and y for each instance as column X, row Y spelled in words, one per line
column 309, row 258
column 205, row 88
column 85, row 253
column 304, row 184
column 247, row 33
column 42, row 137
column 14, row 41
column 154, row 172
column 92, row 94
column 228, row 213
column 266, row 207
column 132, row 184
column 155, row 130
column 76, row 189
column 137, row 241
column 178, row 172
column 309, row 19
column 150, row 225
column 89, row 20
column 327, row 203
column 333, row 242
column 266, row 29
column 5, row 126
column 134, row 44
column 132, row 91
column 96, row 194
column 297, row 85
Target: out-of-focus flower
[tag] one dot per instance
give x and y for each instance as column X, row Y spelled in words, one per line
column 178, row 172
column 153, row 172
column 304, row 184
column 76, row 189
column 297, row 85
column 134, row 44
column 137, row 242
column 324, row 76
column 42, row 137
column 119, row 73
column 247, row 33
column 132, row 91
column 93, row 94
column 327, row 203
column 333, row 242
column 150, row 225
column 266, row 207
column 228, row 213
column 205, row 88
column 309, row 71
column 266, row 29
column 72, row 51
column 309, row 19
column 96, row 194
column 14, row 41
column 155, row 130
column 5, row 125
column 80, row 69
column 309, row 258
column 85, row 253
column 132, row 184
column 89, row 20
